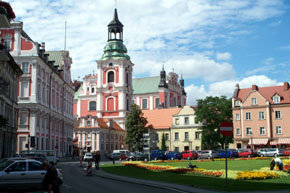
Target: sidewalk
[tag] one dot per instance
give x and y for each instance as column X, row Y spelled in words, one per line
column 167, row 186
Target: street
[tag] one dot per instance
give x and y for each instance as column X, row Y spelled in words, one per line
column 76, row 181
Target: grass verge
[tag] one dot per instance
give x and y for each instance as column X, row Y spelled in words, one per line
column 206, row 182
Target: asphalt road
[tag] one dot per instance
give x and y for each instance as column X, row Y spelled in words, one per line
column 76, row 181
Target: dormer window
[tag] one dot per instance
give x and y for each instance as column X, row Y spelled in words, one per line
column 276, row 99
column 254, row 101
column 237, row 103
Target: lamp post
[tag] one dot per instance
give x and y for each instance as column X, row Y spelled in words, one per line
column 251, row 143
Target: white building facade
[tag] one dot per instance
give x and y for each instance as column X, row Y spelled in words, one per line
column 45, row 117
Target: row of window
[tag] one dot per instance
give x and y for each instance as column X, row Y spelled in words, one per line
column 186, row 121
column 186, row 136
column 278, row 130
column 254, row 101
column 261, row 115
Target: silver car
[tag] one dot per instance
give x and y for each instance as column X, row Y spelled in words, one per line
column 22, row 172
column 268, row 152
column 208, row 154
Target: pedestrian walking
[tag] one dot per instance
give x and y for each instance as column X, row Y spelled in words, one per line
column 97, row 158
column 90, row 167
column 81, row 161
column 50, row 182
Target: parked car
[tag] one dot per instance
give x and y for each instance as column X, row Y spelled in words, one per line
column 157, row 155
column 138, row 156
column 231, row 153
column 208, row 154
column 22, row 172
column 268, row 152
column 244, row 153
column 284, row 152
column 189, row 155
column 38, row 157
column 173, row 155
column 115, row 156
column 88, row 156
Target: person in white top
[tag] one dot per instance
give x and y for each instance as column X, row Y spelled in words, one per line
column 278, row 162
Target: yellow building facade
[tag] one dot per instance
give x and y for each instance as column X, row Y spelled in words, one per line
column 185, row 131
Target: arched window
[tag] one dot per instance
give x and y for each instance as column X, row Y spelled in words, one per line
column 110, row 76
column 92, row 105
column 110, row 104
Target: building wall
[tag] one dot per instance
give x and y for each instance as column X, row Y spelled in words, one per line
column 45, row 118
column 269, row 122
column 8, row 106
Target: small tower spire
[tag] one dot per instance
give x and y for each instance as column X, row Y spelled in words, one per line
column 115, row 28
column 163, row 78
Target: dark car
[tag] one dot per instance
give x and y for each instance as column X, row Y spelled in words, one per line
column 231, row 153
column 173, row 155
column 189, row 155
column 138, row 156
column 158, row 155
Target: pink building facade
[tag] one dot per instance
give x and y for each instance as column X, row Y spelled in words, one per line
column 261, row 116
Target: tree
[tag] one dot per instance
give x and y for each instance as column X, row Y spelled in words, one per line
column 163, row 143
column 136, row 127
column 212, row 111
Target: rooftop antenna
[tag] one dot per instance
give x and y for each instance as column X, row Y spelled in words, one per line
column 65, row 35
column 115, row 4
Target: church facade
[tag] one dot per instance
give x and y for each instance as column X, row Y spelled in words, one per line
column 107, row 95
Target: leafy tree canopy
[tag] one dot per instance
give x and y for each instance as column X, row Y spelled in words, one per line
column 136, row 127
column 212, row 111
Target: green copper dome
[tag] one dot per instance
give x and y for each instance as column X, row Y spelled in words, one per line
column 115, row 49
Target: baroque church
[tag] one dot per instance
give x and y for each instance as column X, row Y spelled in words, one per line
column 102, row 100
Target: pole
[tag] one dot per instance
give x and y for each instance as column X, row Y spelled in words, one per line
column 226, row 163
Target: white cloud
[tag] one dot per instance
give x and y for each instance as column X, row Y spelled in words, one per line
column 224, row 56
column 195, row 92
column 226, row 88
column 174, row 26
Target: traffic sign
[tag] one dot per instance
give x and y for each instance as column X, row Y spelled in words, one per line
column 226, row 128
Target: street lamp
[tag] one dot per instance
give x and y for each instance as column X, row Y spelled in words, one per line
column 251, row 143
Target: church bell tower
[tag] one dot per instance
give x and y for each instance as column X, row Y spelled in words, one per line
column 114, row 83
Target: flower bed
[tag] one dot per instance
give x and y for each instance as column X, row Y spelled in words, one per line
column 263, row 173
column 255, row 175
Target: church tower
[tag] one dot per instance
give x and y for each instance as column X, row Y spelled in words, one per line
column 114, row 82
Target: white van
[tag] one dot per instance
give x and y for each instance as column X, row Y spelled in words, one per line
column 121, row 151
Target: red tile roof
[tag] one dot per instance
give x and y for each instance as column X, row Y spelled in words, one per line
column 268, row 93
column 160, row 118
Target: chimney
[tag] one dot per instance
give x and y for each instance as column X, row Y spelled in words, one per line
column 43, row 45
column 111, row 123
column 254, row 87
column 286, row 86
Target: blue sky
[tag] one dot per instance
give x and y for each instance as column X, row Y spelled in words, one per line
column 213, row 43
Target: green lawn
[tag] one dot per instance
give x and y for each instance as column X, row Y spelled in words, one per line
column 220, row 165
column 205, row 181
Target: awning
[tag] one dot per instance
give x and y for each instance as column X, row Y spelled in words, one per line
column 258, row 141
column 273, row 142
column 284, row 141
